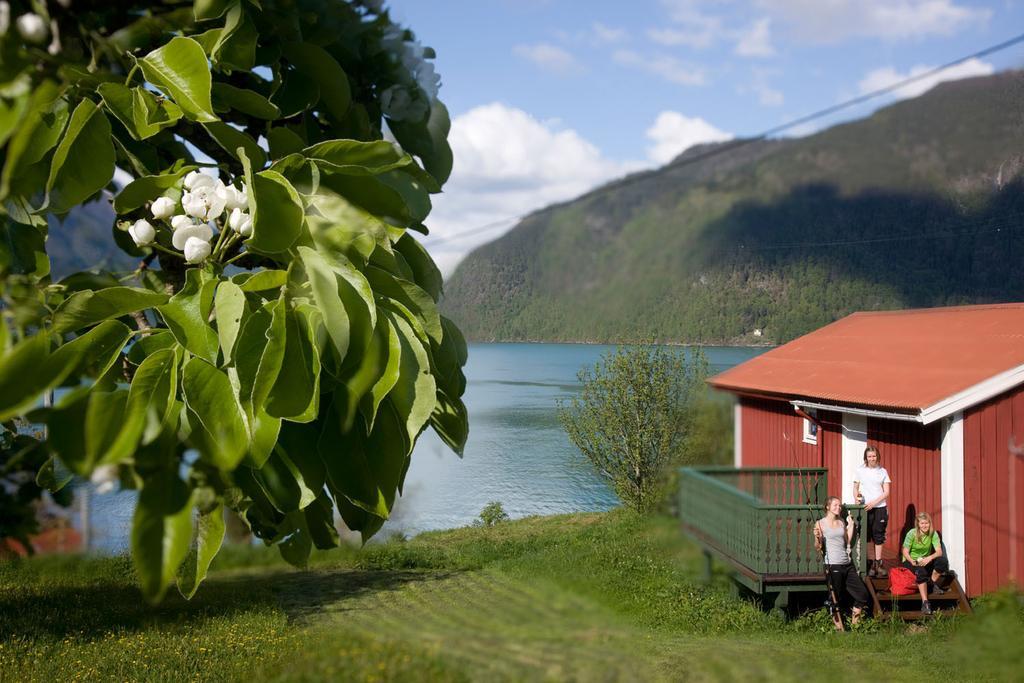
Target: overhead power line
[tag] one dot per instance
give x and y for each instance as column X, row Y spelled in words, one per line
column 742, row 142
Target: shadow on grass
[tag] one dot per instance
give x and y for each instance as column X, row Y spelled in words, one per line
column 306, row 595
column 49, row 611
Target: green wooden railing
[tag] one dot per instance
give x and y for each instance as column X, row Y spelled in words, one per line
column 760, row 519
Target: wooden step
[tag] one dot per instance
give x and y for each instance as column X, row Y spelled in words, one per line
column 883, row 601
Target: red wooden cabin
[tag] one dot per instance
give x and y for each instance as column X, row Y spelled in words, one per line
column 939, row 391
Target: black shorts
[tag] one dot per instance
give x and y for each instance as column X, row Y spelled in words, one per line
column 924, row 574
column 843, row 578
column 878, row 520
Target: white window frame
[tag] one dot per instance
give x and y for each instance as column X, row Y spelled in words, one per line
column 811, row 428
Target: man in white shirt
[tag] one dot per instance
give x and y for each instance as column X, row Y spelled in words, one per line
column 871, row 486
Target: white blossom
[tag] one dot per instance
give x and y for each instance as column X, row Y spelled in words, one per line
column 163, row 208
column 196, row 179
column 105, row 478
column 32, row 27
column 233, row 197
column 196, row 250
column 399, row 104
column 142, row 232
column 179, row 222
column 373, row 6
column 205, row 202
column 240, row 222
column 5, row 16
column 428, row 79
column 182, row 235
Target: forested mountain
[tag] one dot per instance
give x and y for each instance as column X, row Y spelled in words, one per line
column 921, row 204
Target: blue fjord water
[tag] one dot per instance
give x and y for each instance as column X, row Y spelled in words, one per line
column 517, row 452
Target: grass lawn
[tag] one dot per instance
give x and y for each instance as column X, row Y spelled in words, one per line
column 602, row 597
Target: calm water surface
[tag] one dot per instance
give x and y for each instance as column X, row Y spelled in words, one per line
column 517, row 452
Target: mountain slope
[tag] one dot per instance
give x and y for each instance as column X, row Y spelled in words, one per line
column 917, row 205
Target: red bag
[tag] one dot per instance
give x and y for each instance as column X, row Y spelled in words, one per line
column 902, row 581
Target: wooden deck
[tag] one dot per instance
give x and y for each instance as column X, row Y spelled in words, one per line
column 759, row 522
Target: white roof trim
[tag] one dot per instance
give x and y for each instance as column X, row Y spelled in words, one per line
column 971, row 396
column 849, row 410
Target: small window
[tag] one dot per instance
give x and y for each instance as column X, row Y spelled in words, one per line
column 811, row 428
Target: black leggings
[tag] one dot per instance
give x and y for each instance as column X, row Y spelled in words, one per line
column 924, row 574
column 844, row 578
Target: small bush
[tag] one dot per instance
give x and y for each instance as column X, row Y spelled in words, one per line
column 493, row 513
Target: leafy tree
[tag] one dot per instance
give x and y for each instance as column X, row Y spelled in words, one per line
column 493, row 513
column 278, row 350
column 633, row 417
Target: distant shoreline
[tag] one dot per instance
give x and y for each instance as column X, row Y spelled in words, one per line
column 765, row 345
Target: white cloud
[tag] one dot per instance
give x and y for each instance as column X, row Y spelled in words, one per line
column 768, row 96
column 833, row 21
column 673, row 133
column 756, row 41
column 549, row 57
column 886, row 76
column 668, row 68
column 693, row 27
column 508, row 163
column 605, row 35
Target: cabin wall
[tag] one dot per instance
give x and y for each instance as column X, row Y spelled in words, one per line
column 912, row 455
column 994, row 492
column 771, row 435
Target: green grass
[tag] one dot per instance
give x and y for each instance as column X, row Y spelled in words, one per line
column 579, row 597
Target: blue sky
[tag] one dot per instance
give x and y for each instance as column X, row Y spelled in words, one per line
column 552, row 97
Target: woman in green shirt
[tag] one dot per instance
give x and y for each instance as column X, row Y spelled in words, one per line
column 922, row 554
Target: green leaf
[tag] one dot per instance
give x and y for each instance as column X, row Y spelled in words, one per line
column 180, row 70
column 296, row 548
column 411, row 296
column 40, row 129
column 324, row 283
column 415, row 392
column 347, row 461
column 429, row 142
column 246, row 101
column 188, row 311
column 150, row 400
column 278, row 480
column 272, row 359
column 138, row 109
column 261, row 281
column 425, row 272
column 283, row 142
column 296, row 392
column 209, row 535
column 320, row 521
column 28, row 369
column 48, row 478
column 86, row 308
column 354, row 157
column 346, row 229
column 276, row 211
column 210, row 9
column 235, row 45
column 161, row 534
column 390, row 449
column 229, row 309
column 147, row 188
column 104, row 418
column 451, row 421
column 298, row 93
column 330, row 77
column 12, row 112
column 299, row 443
column 259, row 348
column 230, row 139
column 387, row 355
column 358, row 519
column 213, row 407
column 22, row 249
column 149, row 345
column 83, row 162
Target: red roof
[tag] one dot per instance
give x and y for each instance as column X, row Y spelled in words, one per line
column 902, row 360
